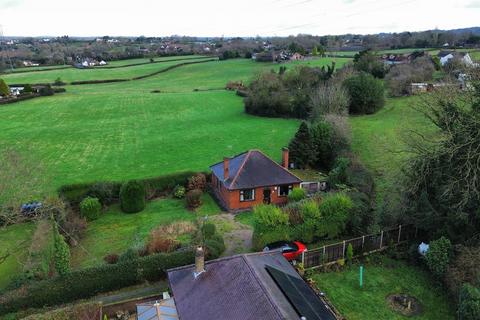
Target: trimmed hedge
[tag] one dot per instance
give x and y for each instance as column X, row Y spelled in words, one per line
column 88, row 282
column 108, row 191
column 90, row 208
column 74, row 83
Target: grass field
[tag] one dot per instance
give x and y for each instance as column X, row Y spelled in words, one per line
column 14, row 239
column 368, row 303
column 380, row 139
column 115, row 231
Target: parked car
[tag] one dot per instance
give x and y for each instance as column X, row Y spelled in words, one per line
column 291, row 250
column 30, row 209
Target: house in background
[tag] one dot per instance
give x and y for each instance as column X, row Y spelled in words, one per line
column 245, row 287
column 296, row 57
column 252, row 178
column 446, row 55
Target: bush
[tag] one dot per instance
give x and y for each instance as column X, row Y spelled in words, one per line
column 338, row 175
column 208, row 230
column 369, row 62
column 297, row 194
column 366, row 94
column 469, row 304
column 62, row 252
column 4, row 89
column 335, row 210
column 438, row 256
column 132, row 196
column 194, row 198
column 198, row 181
column 111, row 258
column 27, row 88
column 130, row 255
column 400, row 77
column 159, row 243
column 90, row 208
column 106, row 192
column 261, row 238
column 179, row 192
column 74, row 228
column 88, row 282
column 349, row 253
column 463, row 269
column 215, row 246
column 269, row 217
column 46, row 91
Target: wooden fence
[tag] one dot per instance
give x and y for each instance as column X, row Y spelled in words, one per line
column 361, row 246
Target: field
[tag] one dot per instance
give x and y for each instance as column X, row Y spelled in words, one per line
column 381, row 280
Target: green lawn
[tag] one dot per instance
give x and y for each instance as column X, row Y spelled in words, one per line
column 14, row 239
column 368, row 303
column 115, row 231
column 380, row 139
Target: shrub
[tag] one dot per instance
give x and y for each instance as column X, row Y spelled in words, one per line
column 27, row 88
column 179, row 192
column 132, row 196
column 46, row 91
column 335, row 210
column 111, row 258
column 338, row 175
column 269, row 217
column 463, row 269
column 130, row 255
column 261, row 238
column 366, row 94
column 438, row 256
column 194, row 198
column 349, row 253
column 208, row 230
column 267, row 96
column 4, row 89
column 160, row 243
column 469, row 304
column 367, row 61
column 297, row 194
column 310, row 210
column 198, row 181
column 106, row 192
column 58, row 82
column 90, row 208
column 62, row 252
column 215, row 246
column 74, row 228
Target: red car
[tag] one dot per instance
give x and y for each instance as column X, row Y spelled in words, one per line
column 291, row 250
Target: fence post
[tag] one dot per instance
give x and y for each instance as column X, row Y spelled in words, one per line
column 363, row 242
column 303, row 258
column 399, row 233
column 343, row 252
column 323, row 256
column 381, row 240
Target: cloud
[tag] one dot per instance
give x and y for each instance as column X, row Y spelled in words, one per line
column 473, row 4
column 6, row 4
column 348, row 1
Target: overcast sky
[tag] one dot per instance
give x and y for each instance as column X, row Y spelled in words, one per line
column 232, row 18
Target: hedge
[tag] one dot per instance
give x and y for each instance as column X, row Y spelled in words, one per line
column 108, row 191
column 73, row 83
column 88, row 282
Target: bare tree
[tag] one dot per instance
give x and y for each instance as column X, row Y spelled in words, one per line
column 329, row 98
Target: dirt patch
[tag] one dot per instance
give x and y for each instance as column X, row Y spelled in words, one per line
column 404, row 304
column 237, row 236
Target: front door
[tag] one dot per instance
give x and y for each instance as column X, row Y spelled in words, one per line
column 266, row 196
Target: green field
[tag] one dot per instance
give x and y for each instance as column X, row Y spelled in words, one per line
column 15, row 240
column 380, row 139
column 381, row 280
column 121, row 63
column 114, row 232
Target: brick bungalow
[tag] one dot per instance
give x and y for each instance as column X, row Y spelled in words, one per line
column 252, row 178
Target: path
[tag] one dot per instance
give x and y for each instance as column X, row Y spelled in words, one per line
column 237, row 236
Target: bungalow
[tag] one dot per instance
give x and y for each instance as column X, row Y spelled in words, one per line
column 244, row 287
column 296, row 57
column 252, row 178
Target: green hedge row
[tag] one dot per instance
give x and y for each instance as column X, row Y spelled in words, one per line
column 88, row 282
column 108, row 192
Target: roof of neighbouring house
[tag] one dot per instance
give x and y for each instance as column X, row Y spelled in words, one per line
column 444, row 53
column 247, row 286
column 253, row 169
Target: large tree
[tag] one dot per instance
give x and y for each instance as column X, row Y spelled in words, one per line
column 301, row 147
column 4, row 89
column 443, row 176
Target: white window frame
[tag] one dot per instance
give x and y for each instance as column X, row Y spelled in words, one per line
column 290, row 188
column 242, row 199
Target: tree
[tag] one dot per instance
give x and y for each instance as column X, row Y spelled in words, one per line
column 62, row 252
column 334, row 210
column 438, row 256
column 27, row 88
column 323, row 144
column 329, row 98
column 315, row 51
column 4, row 89
column 366, row 93
column 367, row 61
column 469, row 303
column 442, row 185
column 401, row 76
column 267, row 96
column 301, row 147
column 132, row 196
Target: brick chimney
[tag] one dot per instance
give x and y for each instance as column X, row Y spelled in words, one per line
column 285, row 157
column 226, row 161
column 199, row 262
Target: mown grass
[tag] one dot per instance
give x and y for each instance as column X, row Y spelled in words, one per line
column 390, row 277
column 14, row 239
column 114, row 232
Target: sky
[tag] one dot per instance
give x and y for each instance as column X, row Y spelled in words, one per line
column 232, row 18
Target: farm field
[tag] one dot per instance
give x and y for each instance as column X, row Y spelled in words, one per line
column 73, row 74
column 381, row 280
column 114, row 232
column 121, row 63
column 380, row 140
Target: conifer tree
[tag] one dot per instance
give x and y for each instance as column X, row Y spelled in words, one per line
column 4, row 89
column 302, row 153
column 62, row 252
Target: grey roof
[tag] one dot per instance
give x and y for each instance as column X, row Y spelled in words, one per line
column 444, row 53
column 253, row 169
column 157, row 310
column 237, row 287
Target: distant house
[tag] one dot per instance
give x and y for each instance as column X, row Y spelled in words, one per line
column 252, row 178
column 446, row 55
column 30, row 64
column 15, row 91
column 393, row 59
column 245, row 287
column 296, row 57
column 102, row 63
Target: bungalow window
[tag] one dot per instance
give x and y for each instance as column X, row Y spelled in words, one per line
column 284, row 190
column 247, row 195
